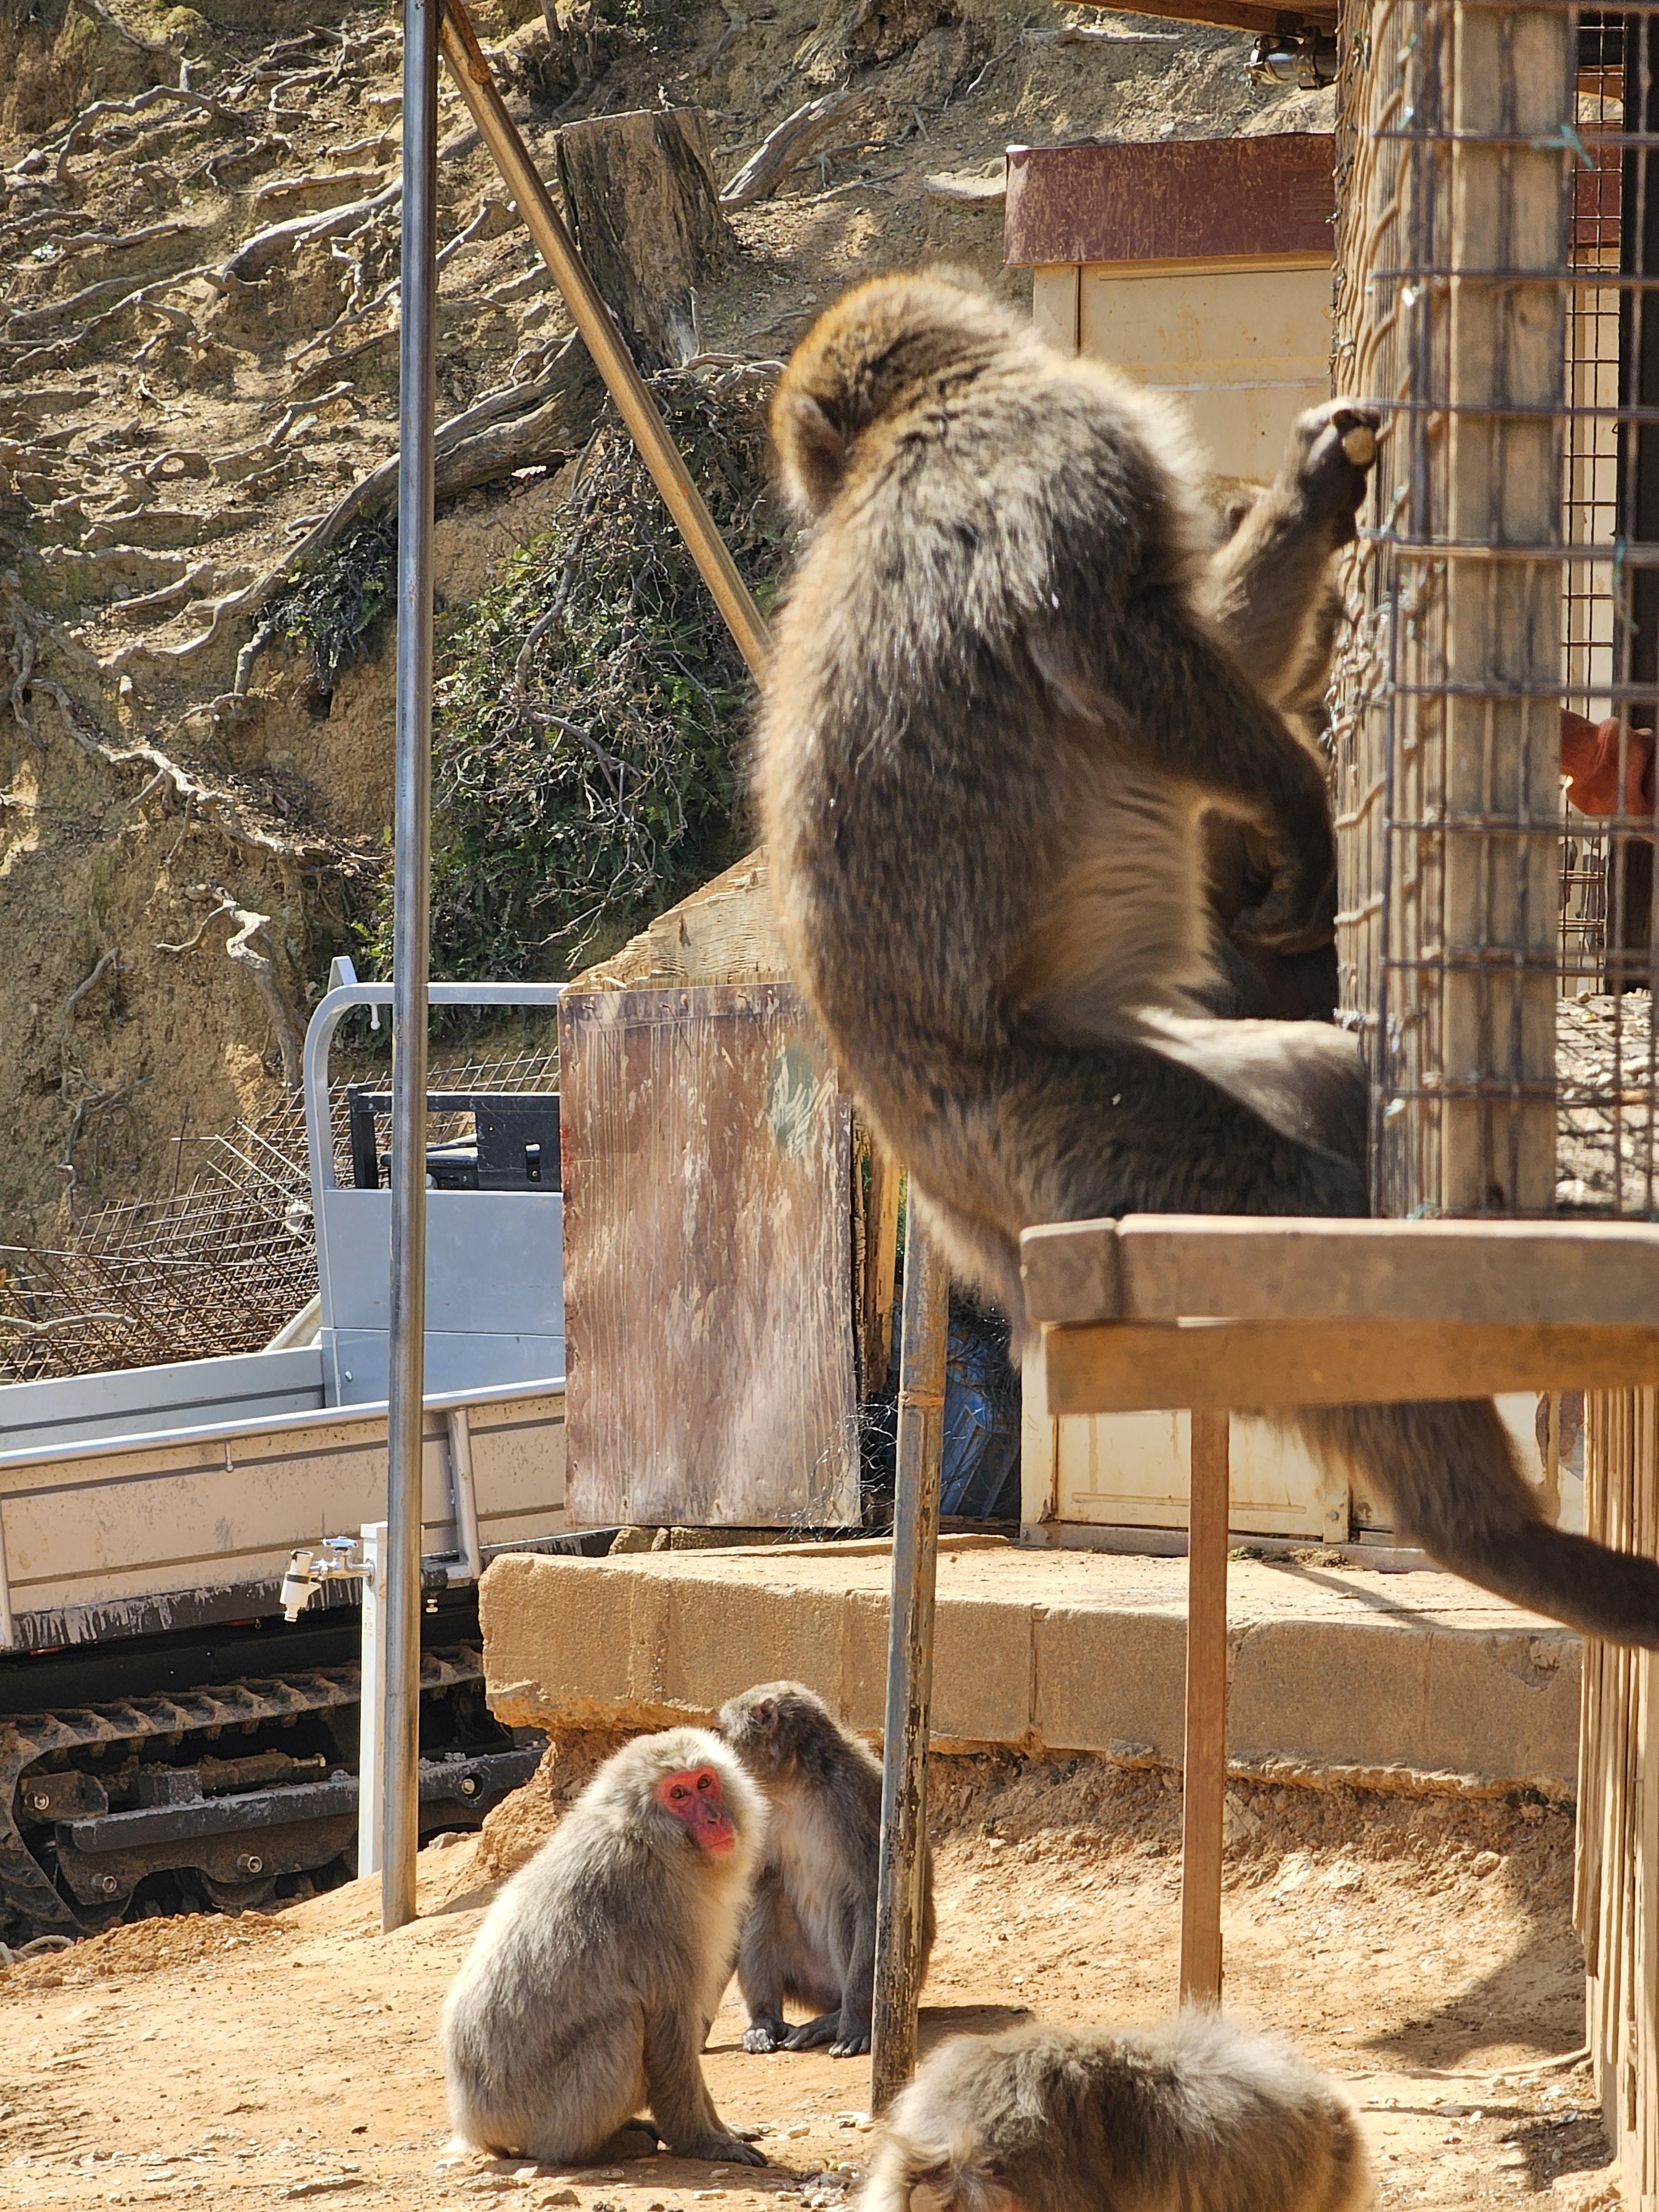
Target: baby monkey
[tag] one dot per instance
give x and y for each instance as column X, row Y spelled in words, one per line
column 811, row 1933
column 1195, row 2116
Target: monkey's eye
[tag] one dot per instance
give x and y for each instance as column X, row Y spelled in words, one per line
column 705, row 1782
column 678, row 1790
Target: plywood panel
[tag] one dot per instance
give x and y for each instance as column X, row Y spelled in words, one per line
column 1244, row 349
column 709, row 1273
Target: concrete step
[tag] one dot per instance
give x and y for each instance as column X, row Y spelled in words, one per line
column 1386, row 1680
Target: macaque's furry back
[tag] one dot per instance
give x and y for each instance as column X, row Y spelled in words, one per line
column 1193, row 2117
column 1015, row 683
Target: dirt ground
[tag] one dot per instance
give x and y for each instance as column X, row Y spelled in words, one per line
column 1421, row 1949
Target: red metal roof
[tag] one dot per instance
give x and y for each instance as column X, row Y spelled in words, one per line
column 1181, row 199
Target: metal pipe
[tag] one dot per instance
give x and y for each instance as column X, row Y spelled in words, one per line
column 910, row 1665
column 600, row 333
column 412, row 839
column 371, row 1729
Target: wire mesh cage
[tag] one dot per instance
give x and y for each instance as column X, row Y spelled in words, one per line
column 1499, row 291
column 1497, row 172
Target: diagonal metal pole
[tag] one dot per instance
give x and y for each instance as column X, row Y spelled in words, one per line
column 601, row 336
column 909, row 1664
column 412, row 839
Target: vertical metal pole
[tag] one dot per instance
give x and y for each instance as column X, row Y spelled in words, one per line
column 1204, row 1764
column 909, row 1666
column 412, row 845
column 371, row 1733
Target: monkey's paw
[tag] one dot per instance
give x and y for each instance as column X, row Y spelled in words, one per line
column 814, row 2034
column 850, row 2046
column 726, row 2150
column 764, row 2037
column 1333, row 449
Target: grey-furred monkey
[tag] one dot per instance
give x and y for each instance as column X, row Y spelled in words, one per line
column 810, row 1931
column 1011, row 679
column 589, row 1991
column 1193, row 2117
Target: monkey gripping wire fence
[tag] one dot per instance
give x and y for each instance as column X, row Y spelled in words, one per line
column 1497, row 289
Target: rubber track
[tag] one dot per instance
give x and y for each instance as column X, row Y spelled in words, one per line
column 26, row 1888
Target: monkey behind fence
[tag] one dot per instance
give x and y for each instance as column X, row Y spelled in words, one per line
column 1195, row 2116
column 1012, row 679
column 810, row 1933
column 589, row 1991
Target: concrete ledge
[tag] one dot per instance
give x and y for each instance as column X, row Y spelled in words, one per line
column 1340, row 1675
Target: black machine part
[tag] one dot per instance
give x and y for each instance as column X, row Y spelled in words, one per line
column 515, row 1145
column 96, row 1798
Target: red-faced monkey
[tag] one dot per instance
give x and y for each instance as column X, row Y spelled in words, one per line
column 810, row 1932
column 587, row 1996
column 1010, row 682
column 1196, row 2117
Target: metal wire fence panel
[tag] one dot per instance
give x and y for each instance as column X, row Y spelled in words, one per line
column 1499, row 291
column 219, row 1266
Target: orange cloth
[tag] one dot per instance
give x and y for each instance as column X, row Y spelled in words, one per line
column 1590, row 761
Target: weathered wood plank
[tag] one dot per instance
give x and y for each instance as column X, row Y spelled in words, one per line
column 1167, row 1266
column 1130, row 1367
column 708, row 1157
column 1204, row 1756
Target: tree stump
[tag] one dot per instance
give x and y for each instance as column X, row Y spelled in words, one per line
column 641, row 197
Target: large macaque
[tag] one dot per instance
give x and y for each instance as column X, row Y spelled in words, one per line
column 587, row 1996
column 1013, row 681
column 809, row 1934
column 1196, row 2117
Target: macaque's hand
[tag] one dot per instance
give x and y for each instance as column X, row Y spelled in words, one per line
column 1331, row 452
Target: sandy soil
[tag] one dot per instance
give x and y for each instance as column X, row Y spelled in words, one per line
column 1421, row 1949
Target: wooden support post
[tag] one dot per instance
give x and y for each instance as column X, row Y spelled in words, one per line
column 1205, row 1760
column 909, row 1667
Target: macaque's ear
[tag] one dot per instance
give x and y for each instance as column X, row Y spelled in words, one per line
column 766, row 1714
column 813, row 450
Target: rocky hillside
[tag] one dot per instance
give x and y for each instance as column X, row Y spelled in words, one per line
column 198, row 232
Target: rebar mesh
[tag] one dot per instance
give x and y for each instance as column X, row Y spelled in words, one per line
column 217, row 1268
column 1499, row 291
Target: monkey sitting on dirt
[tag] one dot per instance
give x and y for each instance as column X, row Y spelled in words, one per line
column 1011, row 679
column 810, row 1931
column 1195, row 2116
column 589, row 1991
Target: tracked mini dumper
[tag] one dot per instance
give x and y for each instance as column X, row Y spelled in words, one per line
column 167, row 1737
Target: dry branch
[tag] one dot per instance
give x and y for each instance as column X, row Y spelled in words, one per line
column 514, row 428
column 786, row 147
column 241, row 946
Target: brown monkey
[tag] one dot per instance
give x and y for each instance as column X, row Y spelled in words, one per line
column 810, row 1931
column 1264, row 572
column 1007, row 686
column 590, row 1989
column 1197, row 2115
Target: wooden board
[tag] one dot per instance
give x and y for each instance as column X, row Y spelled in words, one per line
column 1168, row 1266
column 708, row 1273
column 1203, row 1751
column 1133, row 1367
column 1182, row 199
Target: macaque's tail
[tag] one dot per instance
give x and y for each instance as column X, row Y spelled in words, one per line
column 1447, row 1468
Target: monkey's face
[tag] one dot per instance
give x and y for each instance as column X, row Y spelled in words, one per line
column 692, row 1797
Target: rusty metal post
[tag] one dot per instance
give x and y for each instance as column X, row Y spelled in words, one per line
column 1204, row 1759
column 910, row 1665
column 604, row 341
